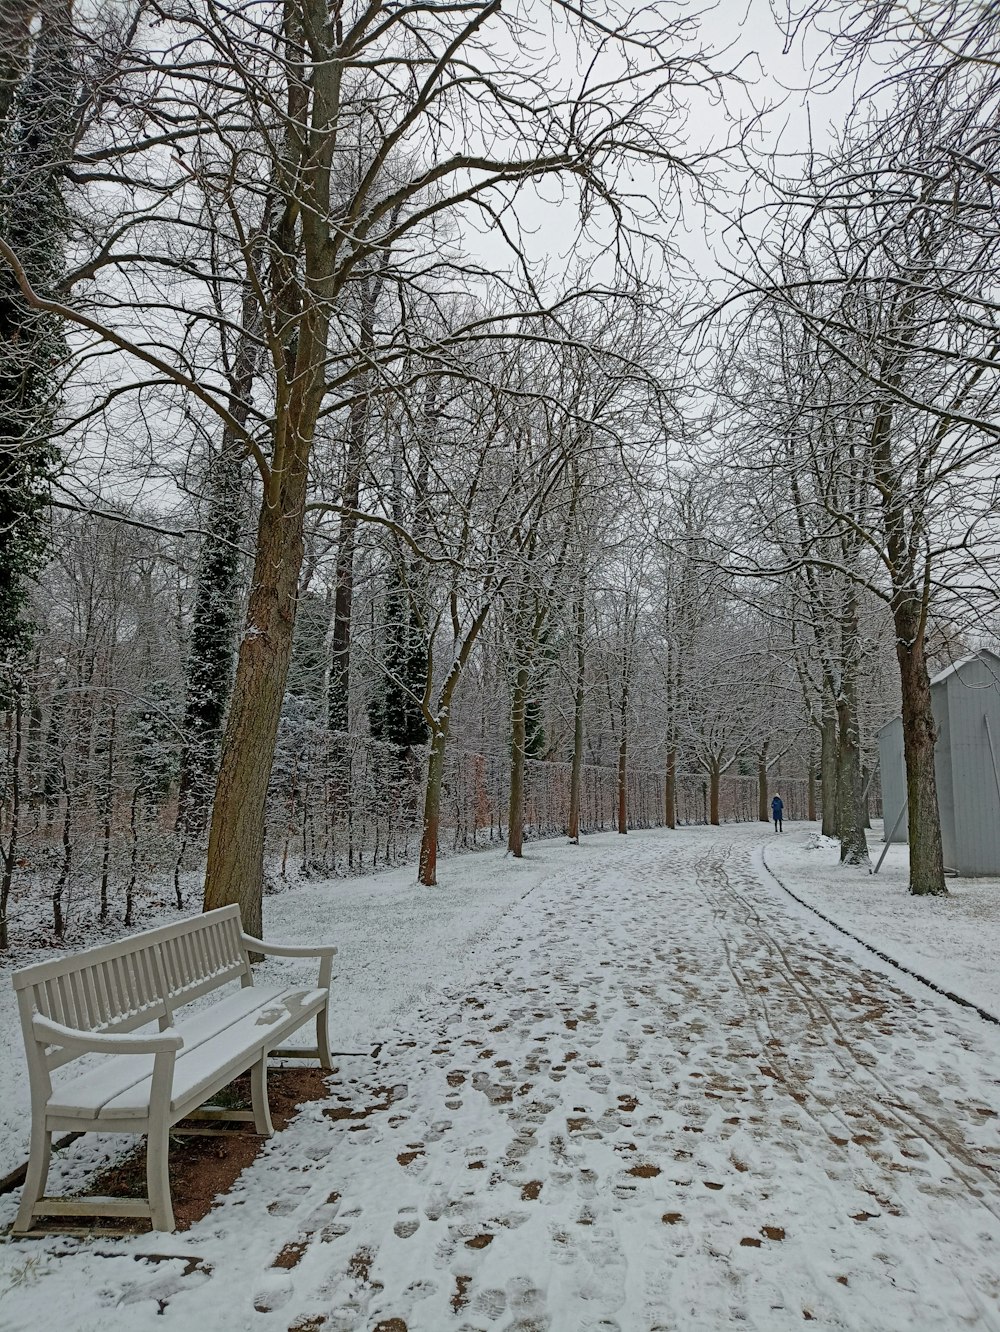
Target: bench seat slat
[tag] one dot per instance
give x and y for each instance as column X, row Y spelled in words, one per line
column 88, row 1094
column 216, row 1061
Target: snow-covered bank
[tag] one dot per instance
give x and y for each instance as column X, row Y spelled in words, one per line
column 953, row 941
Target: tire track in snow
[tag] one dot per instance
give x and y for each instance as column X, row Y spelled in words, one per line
column 945, row 1144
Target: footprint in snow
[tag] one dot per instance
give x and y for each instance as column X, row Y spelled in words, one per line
column 408, row 1223
column 272, row 1293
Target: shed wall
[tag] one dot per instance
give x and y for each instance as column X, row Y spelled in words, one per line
column 974, row 812
column 893, row 776
column 944, row 770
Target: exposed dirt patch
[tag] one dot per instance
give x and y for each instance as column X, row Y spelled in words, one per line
column 360, row 1265
column 773, row 1232
column 479, row 1241
column 460, row 1298
column 672, row 1218
column 203, row 1167
column 750, row 1242
column 531, row 1190
column 407, row 1158
column 291, row 1255
column 338, row 1112
column 627, row 1104
column 644, row 1171
column 455, row 1079
column 390, row 1325
column 314, row 1324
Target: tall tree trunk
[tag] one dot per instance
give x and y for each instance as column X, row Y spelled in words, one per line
column 236, row 842
column 579, row 694
column 107, row 813
column 811, row 791
column 763, row 813
column 850, row 792
column 14, row 718
column 65, row 865
column 714, row 776
column 828, row 772
column 515, row 817
column 427, row 870
column 338, row 702
column 623, row 783
column 670, row 789
column 300, row 257
column 623, row 706
column 850, row 812
column 919, row 735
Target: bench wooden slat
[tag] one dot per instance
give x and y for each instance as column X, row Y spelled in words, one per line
column 89, row 1092
column 197, row 1072
column 95, row 1206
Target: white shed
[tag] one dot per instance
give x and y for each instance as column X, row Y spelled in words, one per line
column 966, row 703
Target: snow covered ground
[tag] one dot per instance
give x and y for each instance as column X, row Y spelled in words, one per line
column 630, row 1086
column 953, row 941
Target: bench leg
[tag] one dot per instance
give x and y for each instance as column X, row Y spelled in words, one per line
column 34, row 1180
column 158, row 1176
column 258, row 1092
column 323, row 1039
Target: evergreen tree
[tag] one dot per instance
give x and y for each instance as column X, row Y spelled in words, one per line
column 307, row 668
column 212, row 650
column 33, row 221
column 394, row 714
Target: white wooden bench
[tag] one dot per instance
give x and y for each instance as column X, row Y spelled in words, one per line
column 145, row 1082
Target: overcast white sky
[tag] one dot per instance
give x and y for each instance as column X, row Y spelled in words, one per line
column 779, row 93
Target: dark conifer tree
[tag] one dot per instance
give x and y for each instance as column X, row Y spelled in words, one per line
column 212, row 650
column 33, row 221
column 394, row 713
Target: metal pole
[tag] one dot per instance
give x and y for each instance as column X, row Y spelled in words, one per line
column 871, row 778
column 888, row 840
column 993, row 753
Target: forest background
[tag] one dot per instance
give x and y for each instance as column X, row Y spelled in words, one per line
column 426, row 424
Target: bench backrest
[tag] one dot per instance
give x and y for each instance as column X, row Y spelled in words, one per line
column 143, row 978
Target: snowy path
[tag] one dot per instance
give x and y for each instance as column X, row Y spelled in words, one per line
column 671, row 1101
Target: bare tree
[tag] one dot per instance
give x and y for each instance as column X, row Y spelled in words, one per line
column 292, row 90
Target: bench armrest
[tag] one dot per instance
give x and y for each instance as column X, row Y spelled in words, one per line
column 253, row 945
column 72, row 1038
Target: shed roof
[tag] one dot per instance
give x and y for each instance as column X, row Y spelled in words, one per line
column 957, row 666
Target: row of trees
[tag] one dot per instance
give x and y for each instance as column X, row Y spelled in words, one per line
column 309, row 439
column 100, row 743
column 860, row 406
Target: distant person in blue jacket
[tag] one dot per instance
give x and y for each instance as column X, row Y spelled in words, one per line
column 777, row 809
